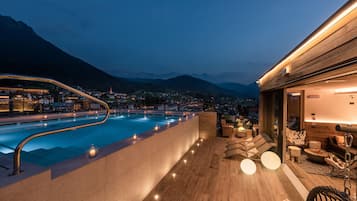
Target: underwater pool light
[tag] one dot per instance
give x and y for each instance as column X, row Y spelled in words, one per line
column 92, row 152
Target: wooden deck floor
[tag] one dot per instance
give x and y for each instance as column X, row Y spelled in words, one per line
column 312, row 180
column 207, row 176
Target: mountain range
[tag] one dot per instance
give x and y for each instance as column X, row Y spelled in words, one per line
column 216, row 78
column 24, row 52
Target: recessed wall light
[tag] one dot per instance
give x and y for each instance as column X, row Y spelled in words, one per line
column 156, row 197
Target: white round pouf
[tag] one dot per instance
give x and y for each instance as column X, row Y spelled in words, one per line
column 248, row 166
column 270, row 160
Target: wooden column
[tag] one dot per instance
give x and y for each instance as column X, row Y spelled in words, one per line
column 285, row 118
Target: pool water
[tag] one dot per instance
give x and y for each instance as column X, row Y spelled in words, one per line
column 52, row 149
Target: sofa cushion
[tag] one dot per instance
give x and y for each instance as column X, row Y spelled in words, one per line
column 295, row 137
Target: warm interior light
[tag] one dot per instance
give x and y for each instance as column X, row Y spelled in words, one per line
column 248, row 166
column 334, row 81
column 180, row 119
column 270, row 160
column 287, row 69
column 192, row 151
column 331, row 121
column 241, row 129
column 346, row 90
column 198, row 144
column 201, row 139
column 134, row 137
column 173, row 175
column 184, row 161
column 92, row 152
column 156, row 197
column 45, row 116
column 295, row 94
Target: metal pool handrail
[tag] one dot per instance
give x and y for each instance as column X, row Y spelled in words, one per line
column 17, row 153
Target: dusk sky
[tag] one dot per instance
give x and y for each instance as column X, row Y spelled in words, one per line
column 183, row 36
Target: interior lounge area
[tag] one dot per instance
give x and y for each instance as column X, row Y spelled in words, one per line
column 304, row 119
column 314, row 149
column 308, row 105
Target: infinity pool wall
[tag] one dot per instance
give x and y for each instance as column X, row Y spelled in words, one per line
column 128, row 174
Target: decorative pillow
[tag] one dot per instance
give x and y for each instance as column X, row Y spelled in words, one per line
column 302, row 135
column 295, row 137
column 340, row 140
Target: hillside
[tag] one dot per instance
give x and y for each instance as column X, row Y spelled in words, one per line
column 241, row 90
column 189, row 83
column 184, row 83
column 23, row 52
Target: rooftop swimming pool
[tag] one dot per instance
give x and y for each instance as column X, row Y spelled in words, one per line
column 48, row 150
